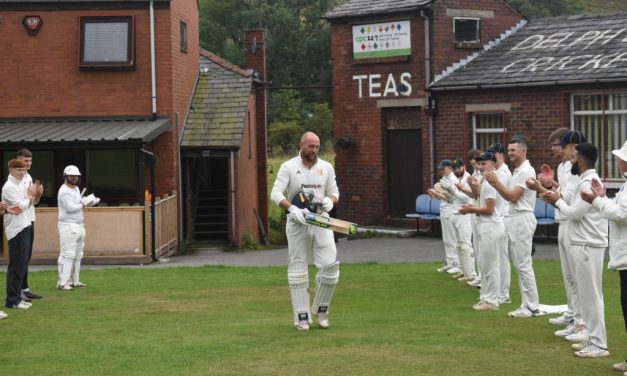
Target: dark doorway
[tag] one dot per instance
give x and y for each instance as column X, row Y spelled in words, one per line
column 404, row 160
column 206, row 196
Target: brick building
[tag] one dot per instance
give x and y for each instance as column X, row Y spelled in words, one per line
column 107, row 85
column 553, row 72
column 385, row 54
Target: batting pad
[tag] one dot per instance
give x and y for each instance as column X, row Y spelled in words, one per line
column 326, row 281
column 298, row 279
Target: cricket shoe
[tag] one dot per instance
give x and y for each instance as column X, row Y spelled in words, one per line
column 78, row 284
column 592, row 351
column 24, row 297
column 454, row 270
column 323, row 320
column 3, row 315
column 562, row 320
column 622, row 366
column 485, row 306
column 570, row 329
column 579, row 346
column 65, row 287
column 444, row 269
column 457, row 275
column 580, row 335
column 31, row 295
column 538, row 313
column 521, row 312
column 303, row 325
column 21, row 305
column 474, row 283
column 505, row 300
column 466, row 278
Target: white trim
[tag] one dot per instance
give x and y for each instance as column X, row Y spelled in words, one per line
column 413, row 102
column 489, row 107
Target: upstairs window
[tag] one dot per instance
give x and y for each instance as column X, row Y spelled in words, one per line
column 183, row 37
column 466, row 30
column 107, row 42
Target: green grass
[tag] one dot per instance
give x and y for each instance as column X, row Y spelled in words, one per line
column 388, row 319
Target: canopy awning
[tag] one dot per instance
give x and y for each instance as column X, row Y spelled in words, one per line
column 81, row 130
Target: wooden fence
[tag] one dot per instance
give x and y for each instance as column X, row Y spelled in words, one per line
column 166, row 226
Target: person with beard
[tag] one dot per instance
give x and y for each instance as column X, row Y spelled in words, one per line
column 562, row 143
column 520, row 225
column 310, row 176
column 615, row 210
column 587, row 233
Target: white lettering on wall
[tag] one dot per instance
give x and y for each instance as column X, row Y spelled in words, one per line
column 393, row 86
column 572, row 45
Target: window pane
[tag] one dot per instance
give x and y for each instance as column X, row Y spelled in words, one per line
column 106, row 42
column 484, row 140
column 112, row 174
column 616, row 137
column 466, row 30
column 619, row 102
column 592, row 102
column 488, row 121
column 590, row 126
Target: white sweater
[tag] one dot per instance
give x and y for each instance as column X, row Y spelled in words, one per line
column 585, row 225
column 294, row 176
column 70, row 205
column 14, row 193
column 616, row 211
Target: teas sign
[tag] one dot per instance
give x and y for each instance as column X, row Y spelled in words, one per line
column 381, row 40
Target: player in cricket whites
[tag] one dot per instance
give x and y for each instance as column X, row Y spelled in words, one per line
column 315, row 178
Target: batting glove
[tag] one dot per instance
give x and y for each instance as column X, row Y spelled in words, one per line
column 297, row 215
column 327, row 204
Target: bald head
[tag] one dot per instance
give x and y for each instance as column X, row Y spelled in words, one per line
column 309, row 147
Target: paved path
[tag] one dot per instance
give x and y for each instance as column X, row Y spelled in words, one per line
column 380, row 250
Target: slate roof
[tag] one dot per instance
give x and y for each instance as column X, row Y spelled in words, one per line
column 217, row 115
column 81, row 130
column 360, row 8
column 549, row 51
column 80, row 1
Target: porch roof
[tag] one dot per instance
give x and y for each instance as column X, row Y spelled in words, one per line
column 81, row 130
column 361, row 8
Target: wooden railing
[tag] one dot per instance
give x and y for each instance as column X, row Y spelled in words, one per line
column 166, row 226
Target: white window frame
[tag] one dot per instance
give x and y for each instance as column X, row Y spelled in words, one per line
column 478, row 33
column 476, row 130
column 615, row 182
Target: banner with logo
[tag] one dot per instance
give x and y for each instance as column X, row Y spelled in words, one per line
column 382, row 40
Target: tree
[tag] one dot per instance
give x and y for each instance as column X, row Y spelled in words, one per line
column 545, row 8
column 284, row 137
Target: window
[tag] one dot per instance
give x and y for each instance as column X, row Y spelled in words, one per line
column 107, row 42
column 602, row 118
column 466, row 30
column 487, row 129
column 111, row 173
column 183, row 37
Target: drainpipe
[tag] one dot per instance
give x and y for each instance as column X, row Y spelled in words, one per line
column 153, row 79
column 233, row 196
column 427, row 33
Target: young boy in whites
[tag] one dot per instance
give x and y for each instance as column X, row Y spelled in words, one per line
column 449, row 235
column 471, row 156
column 616, row 211
column 562, row 142
column 520, row 224
column 26, row 156
column 71, row 229
column 587, row 232
column 505, row 176
column 491, row 235
column 17, row 229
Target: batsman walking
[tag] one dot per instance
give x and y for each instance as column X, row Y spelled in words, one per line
column 315, row 178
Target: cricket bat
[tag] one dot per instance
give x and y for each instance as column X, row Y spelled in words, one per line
column 333, row 224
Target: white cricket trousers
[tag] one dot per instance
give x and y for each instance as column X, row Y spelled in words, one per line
column 567, row 261
column 463, row 234
column 589, row 275
column 491, row 237
column 519, row 228
column 475, row 242
column 72, row 242
column 449, row 238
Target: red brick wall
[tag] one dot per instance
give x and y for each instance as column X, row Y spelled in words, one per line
column 247, row 181
column 444, row 51
column 361, row 171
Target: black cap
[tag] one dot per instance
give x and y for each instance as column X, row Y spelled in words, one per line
column 497, row 148
column 486, row 156
column 458, row 162
column 573, row 137
column 445, row 163
column 589, row 152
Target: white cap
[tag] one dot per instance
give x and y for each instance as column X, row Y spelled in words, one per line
column 71, row 170
column 622, row 152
